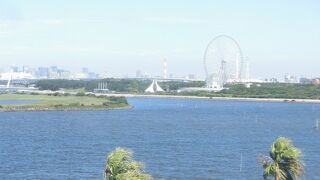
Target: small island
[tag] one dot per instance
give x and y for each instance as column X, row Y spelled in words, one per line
column 62, row 102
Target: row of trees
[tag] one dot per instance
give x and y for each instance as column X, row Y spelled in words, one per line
column 283, row 163
column 118, row 85
column 264, row 90
column 276, row 90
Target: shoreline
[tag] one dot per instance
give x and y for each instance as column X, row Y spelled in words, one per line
column 283, row 100
column 62, row 103
column 51, row 109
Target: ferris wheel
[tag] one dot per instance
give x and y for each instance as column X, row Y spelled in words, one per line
column 223, row 61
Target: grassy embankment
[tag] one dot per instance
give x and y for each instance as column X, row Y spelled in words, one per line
column 62, row 103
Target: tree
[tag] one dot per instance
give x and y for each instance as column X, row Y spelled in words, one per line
column 284, row 161
column 121, row 166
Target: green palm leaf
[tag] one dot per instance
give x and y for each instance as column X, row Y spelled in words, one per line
column 284, row 162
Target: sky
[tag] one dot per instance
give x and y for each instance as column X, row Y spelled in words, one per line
column 120, row 37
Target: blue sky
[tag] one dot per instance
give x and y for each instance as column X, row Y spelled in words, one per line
column 119, row 37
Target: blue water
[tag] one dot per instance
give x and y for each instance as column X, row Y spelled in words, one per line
column 16, row 102
column 176, row 139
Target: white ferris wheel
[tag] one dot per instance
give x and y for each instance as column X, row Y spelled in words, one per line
column 223, row 61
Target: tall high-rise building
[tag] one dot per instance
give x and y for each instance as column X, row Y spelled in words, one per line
column 53, row 69
column 138, row 74
column 85, row 70
column 15, row 68
column 43, row 72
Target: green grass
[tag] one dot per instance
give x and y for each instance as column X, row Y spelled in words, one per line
column 62, row 102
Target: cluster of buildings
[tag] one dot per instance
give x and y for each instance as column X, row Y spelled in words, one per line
column 315, row 81
column 52, row 72
column 139, row 74
column 55, row 72
column 290, row 79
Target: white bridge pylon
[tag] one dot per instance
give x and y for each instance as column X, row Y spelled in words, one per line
column 9, row 80
column 154, row 87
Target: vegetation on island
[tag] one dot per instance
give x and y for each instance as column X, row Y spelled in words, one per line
column 117, row 85
column 121, row 166
column 262, row 90
column 62, row 102
column 283, row 162
column 267, row 90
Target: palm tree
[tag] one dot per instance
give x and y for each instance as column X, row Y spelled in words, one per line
column 121, row 166
column 284, row 162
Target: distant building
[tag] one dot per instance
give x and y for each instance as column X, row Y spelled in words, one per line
column 85, row 70
column 102, row 88
column 92, row 75
column 305, row 81
column 316, row 81
column 16, row 75
column 138, row 74
column 271, row 80
column 15, row 69
column 290, row 79
column 64, row 74
column 25, row 69
column 191, row 76
column 43, row 72
column 53, row 69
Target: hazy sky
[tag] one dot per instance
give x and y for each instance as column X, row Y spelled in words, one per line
column 119, row 37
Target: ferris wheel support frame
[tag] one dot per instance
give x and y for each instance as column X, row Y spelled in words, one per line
column 240, row 55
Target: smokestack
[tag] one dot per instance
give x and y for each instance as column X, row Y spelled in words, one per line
column 165, row 71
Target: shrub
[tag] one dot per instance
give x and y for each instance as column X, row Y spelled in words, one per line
column 58, row 105
column 118, row 100
column 121, row 166
column 74, row 104
column 80, row 94
column 91, row 95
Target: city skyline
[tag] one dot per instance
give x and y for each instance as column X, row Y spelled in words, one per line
column 102, row 37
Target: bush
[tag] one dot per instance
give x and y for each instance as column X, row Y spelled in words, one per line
column 121, row 166
column 80, row 94
column 118, row 100
column 58, row 105
column 106, row 104
column 55, row 94
column 91, row 95
column 74, row 104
